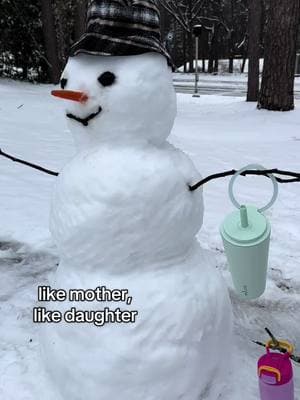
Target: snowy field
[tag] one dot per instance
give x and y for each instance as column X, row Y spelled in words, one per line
column 219, row 133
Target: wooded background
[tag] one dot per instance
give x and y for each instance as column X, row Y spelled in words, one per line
column 36, row 35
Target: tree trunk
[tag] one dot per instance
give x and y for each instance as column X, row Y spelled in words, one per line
column 80, row 18
column 62, row 34
column 191, row 51
column 216, row 57
column 254, row 34
column 216, row 66
column 231, row 39
column 277, row 89
column 24, row 71
column 213, row 49
column 162, row 11
column 50, row 40
column 184, row 52
column 191, row 36
column 231, row 52
column 211, row 57
column 210, row 63
column 230, row 68
column 243, row 65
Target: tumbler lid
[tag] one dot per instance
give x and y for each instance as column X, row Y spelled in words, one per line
column 246, row 226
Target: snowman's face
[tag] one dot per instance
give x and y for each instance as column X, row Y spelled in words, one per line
column 128, row 98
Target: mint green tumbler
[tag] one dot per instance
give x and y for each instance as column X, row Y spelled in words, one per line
column 246, row 238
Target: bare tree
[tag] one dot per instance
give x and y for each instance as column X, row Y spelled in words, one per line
column 231, row 42
column 49, row 31
column 254, row 41
column 226, row 19
column 187, row 14
column 224, row 23
column 277, row 89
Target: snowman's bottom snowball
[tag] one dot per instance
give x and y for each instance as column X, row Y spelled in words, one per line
column 178, row 349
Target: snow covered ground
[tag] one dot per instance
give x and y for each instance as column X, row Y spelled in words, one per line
column 189, row 78
column 225, row 84
column 219, row 133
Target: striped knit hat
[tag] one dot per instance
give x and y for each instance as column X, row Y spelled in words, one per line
column 122, row 28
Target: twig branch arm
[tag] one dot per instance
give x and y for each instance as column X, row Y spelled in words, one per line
column 28, row 164
column 295, row 175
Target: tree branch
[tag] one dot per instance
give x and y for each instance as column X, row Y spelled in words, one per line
column 173, row 12
column 28, row 164
column 197, row 6
column 295, row 175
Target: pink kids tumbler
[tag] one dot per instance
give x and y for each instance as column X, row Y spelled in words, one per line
column 275, row 373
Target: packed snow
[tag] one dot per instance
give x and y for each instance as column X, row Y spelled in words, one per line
column 218, row 133
column 117, row 215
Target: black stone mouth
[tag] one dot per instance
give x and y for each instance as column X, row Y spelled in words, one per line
column 85, row 121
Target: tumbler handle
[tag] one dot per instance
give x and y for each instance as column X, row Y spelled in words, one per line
column 260, row 168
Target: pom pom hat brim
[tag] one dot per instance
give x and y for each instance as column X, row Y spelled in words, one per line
column 122, row 28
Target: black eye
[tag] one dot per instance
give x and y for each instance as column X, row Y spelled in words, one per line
column 107, row 78
column 63, row 83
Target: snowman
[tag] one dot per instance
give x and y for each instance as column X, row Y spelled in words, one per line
column 123, row 217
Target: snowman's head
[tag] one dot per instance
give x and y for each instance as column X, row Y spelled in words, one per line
column 124, row 98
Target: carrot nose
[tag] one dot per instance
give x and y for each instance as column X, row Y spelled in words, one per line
column 81, row 97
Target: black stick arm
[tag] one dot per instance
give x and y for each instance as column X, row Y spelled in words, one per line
column 295, row 176
column 28, row 164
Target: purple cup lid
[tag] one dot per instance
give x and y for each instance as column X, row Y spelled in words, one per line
column 275, row 368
